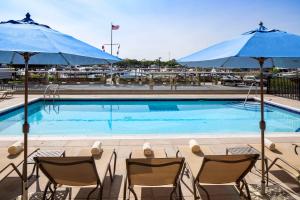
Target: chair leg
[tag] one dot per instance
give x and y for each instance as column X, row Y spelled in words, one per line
column 100, row 193
column 195, row 186
column 240, row 188
column 180, row 191
column 195, row 191
column 125, row 189
column 247, row 190
column 70, row 193
column 133, row 192
column 201, row 187
column 93, row 190
column 174, row 192
column 53, row 194
column 48, row 187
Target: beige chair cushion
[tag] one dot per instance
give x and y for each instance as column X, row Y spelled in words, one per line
column 146, row 172
column 222, row 169
column 101, row 161
column 194, row 160
column 71, row 171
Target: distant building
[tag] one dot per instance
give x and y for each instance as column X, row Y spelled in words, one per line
column 5, row 73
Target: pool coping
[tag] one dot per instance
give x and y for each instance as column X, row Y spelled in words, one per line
column 270, row 102
column 146, row 137
column 282, row 106
column 152, row 136
column 19, row 105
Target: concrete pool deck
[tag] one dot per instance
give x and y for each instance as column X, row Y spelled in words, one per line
column 282, row 185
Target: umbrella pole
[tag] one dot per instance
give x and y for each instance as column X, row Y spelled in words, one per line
column 262, row 126
column 26, row 57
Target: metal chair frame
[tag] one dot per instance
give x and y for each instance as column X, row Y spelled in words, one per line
column 15, row 168
column 52, row 182
column 239, row 184
column 175, row 184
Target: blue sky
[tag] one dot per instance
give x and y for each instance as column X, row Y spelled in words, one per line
column 157, row 28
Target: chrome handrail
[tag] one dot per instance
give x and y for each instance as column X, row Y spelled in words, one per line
column 45, row 91
column 52, row 89
column 56, row 91
column 254, row 83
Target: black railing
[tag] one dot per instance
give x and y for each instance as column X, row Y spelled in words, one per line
column 284, row 87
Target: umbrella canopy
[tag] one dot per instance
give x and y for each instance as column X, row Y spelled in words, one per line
column 27, row 42
column 280, row 49
column 255, row 49
column 48, row 45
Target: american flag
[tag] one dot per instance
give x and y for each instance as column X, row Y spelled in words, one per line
column 115, row 27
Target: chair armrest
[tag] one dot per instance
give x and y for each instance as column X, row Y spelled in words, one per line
column 295, row 148
column 14, row 169
column 111, row 171
column 178, row 153
column 170, row 152
column 114, row 156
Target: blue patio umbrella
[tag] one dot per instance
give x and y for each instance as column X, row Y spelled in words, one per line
column 260, row 48
column 27, row 42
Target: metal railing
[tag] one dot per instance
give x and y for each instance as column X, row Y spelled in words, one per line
column 250, row 91
column 285, row 87
column 52, row 89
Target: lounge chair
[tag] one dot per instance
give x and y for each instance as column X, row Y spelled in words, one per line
column 3, row 94
column 284, row 155
column 7, row 93
column 77, row 171
column 10, row 92
column 105, row 162
column 10, row 174
column 222, row 169
column 10, row 164
column 153, row 172
column 193, row 159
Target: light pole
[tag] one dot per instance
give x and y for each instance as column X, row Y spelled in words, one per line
column 159, row 63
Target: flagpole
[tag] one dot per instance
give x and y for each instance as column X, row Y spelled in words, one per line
column 111, row 44
column 111, row 40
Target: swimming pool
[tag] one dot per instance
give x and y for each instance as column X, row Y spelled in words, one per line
column 147, row 117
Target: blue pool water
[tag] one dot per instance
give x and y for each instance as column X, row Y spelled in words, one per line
column 163, row 117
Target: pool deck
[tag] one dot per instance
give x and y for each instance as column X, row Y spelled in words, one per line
column 282, row 185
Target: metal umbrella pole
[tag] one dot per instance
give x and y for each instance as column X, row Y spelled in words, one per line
column 262, row 126
column 26, row 57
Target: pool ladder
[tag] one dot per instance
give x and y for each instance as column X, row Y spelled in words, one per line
column 249, row 91
column 52, row 90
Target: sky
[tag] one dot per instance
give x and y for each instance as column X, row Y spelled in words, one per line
column 150, row 29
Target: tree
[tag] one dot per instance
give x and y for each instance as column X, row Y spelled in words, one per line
column 146, row 63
